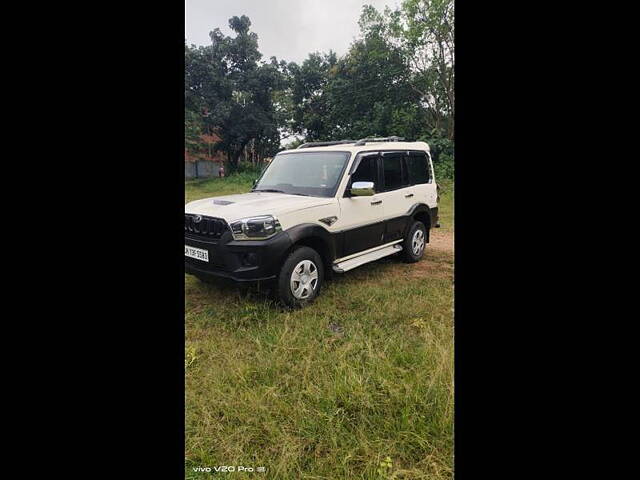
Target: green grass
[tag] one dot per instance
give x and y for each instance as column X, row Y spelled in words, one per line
column 208, row 187
column 283, row 390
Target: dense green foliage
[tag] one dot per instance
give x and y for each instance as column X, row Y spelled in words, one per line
column 396, row 79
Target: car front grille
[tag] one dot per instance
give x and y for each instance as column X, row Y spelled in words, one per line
column 204, row 227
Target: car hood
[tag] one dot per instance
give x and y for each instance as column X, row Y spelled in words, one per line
column 234, row 207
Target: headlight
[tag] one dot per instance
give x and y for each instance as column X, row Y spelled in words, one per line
column 255, row 228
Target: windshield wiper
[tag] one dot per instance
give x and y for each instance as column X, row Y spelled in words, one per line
column 280, row 191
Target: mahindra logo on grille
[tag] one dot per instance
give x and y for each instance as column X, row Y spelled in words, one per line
column 197, row 219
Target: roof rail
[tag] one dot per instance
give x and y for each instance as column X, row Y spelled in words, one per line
column 363, row 141
column 325, row 144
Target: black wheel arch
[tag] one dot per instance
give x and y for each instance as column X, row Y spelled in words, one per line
column 422, row 213
column 316, row 237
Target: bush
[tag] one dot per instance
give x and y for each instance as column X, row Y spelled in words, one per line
column 444, row 168
column 247, row 167
column 442, row 153
column 249, row 170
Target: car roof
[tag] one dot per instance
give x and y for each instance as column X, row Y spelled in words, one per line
column 367, row 147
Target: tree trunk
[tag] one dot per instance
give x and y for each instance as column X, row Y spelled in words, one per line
column 228, row 161
column 235, row 159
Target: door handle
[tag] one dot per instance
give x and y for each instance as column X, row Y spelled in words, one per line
column 377, row 202
column 408, row 195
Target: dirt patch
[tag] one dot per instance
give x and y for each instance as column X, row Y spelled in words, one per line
column 428, row 268
column 438, row 257
column 440, row 240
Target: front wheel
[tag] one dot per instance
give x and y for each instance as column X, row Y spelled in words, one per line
column 415, row 242
column 300, row 277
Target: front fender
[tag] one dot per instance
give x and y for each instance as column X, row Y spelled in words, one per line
column 312, row 230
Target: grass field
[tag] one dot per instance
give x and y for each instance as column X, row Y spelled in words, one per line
column 357, row 385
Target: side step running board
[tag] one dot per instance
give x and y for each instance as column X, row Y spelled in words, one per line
column 366, row 258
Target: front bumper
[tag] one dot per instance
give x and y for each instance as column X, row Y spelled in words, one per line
column 238, row 260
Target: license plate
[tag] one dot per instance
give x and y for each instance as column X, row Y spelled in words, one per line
column 197, row 253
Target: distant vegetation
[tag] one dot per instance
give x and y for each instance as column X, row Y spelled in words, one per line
column 396, row 79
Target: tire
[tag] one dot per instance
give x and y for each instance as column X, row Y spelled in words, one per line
column 415, row 243
column 300, row 278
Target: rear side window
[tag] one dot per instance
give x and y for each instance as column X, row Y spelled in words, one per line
column 418, row 168
column 392, row 163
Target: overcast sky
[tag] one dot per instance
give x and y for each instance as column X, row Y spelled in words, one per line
column 287, row 29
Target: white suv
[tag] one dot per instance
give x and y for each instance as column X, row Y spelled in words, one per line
column 321, row 208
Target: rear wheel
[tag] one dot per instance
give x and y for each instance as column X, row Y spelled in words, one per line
column 301, row 277
column 415, row 242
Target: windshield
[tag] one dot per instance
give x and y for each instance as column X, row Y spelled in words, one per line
column 316, row 174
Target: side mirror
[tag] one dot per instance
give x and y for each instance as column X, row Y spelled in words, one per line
column 255, row 180
column 363, row 189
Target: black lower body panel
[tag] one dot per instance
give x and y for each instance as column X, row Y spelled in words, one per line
column 241, row 261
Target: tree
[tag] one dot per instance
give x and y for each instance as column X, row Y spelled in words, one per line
column 396, row 79
column 308, row 96
column 368, row 88
column 232, row 91
column 422, row 31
